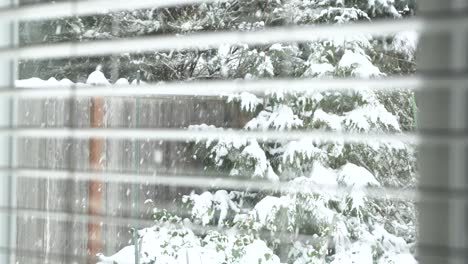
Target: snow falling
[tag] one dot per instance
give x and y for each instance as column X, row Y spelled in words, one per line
column 221, row 226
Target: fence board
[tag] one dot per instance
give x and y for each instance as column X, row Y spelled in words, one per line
column 51, row 237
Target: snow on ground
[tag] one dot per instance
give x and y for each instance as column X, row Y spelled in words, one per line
column 358, row 253
column 179, row 245
column 397, row 259
column 251, row 255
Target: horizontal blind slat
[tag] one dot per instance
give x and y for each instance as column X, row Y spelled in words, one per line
column 216, row 39
column 200, row 135
column 218, row 182
column 85, row 8
column 225, row 88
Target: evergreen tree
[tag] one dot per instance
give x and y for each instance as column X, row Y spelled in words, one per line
column 346, row 228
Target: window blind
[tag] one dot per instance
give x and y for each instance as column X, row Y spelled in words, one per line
column 441, row 85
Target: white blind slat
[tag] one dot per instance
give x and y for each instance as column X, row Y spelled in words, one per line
column 198, row 135
column 85, row 8
column 224, row 88
column 216, row 39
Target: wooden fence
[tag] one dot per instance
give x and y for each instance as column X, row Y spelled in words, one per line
column 52, row 241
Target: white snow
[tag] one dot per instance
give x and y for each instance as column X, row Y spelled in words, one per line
column 357, row 120
column 323, row 176
column 187, row 26
column 258, row 252
column 406, row 43
column 281, row 118
column 134, row 82
column 205, row 205
column 65, row 82
column 223, row 204
column 39, row 83
column 358, row 178
column 276, row 47
column 406, row 258
column 205, row 127
column 254, row 151
column 302, row 149
column 223, row 54
column 362, row 118
column 179, row 245
column 265, row 66
column 97, row 78
column 319, row 70
column 389, row 242
column 341, row 237
column 202, row 207
column 386, row 6
column 265, row 210
column 30, row 83
column 331, row 120
column 248, row 101
column 353, row 175
column 271, row 175
column 359, row 64
column 125, row 256
column 358, row 253
column 346, row 15
column 357, row 240
column 122, row 81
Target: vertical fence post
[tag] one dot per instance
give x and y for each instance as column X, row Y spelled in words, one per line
column 96, row 147
column 136, row 189
column 95, row 187
column 443, row 223
column 7, row 191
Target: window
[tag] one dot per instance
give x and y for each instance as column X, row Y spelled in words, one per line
column 232, row 131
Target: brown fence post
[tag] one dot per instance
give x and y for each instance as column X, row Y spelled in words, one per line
column 96, row 147
column 95, row 187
